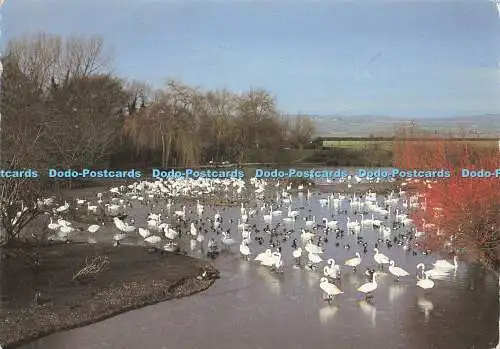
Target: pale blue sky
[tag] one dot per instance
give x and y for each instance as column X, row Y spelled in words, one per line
column 394, row 58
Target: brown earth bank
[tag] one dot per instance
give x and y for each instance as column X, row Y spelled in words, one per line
column 45, row 289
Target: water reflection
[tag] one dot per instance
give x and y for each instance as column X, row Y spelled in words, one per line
column 270, row 279
column 396, row 291
column 313, row 280
column 327, row 313
column 426, row 306
column 369, row 310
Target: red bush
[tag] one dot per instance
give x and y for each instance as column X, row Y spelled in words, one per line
column 459, row 214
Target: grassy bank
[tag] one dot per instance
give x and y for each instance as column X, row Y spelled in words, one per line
column 58, row 287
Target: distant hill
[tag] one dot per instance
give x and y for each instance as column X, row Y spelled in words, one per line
column 363, row 126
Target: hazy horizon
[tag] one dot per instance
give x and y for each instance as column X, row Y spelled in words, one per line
column 391, row 59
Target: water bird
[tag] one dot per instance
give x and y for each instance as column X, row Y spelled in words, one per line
column 380, row 258
column 329, row 289
column 369, row 287
column 425, row 283
column 397, row 271
column 445, row 265
column 354, row 262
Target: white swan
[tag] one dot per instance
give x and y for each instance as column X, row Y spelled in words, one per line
column 263, row 256
column 311, row 248
column 244, row 249
column 445, row 265
column 193, row 230
column 397, row 271
column 425, row 283
column 354, row 262
column 306, row 235
column 433, row 273
column 330, row 289
column 313, row 259
column 53, row 226
column 331, row 270
column 153, row 239
column 369, row 287
column 380, row 258
column 297, row 253
column 144, row 233
column 278, row 263
column 227, row 239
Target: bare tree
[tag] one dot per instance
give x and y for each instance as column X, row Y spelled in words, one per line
column 301, row 130
column 47, row 59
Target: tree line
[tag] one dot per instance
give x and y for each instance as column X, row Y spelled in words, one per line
column 63, row 107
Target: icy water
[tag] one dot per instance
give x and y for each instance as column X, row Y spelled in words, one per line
column 252, row 307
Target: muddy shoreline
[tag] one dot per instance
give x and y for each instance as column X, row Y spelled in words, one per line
column 37, row 301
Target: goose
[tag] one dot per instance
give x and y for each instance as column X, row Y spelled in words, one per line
column 354, row 262
column 369, row 287
column 380, row 258
column 425, row 283
column 330, row 289
column 445, row 265
column 397, row 271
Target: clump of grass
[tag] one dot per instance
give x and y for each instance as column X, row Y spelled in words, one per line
column 92, row 267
